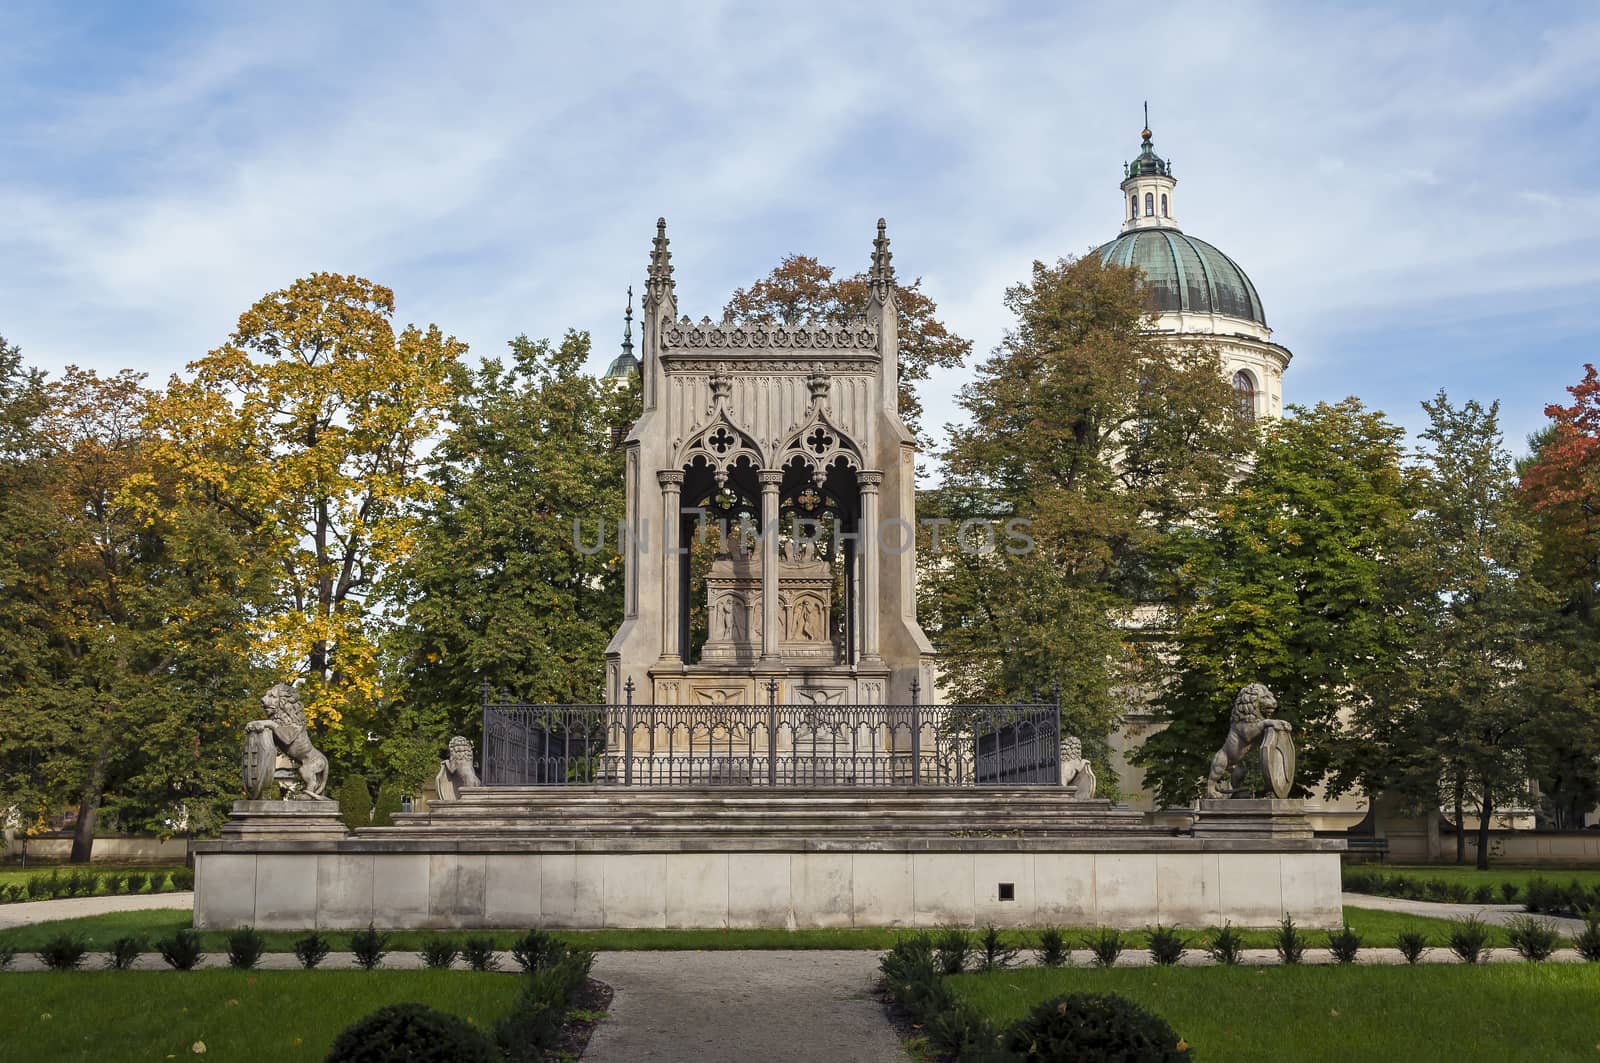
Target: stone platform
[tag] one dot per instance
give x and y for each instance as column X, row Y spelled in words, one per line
column 590, row 857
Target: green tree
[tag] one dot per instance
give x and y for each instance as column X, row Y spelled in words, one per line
column 1289, row 584
column 1459, row 731
column 137, row 668
column 499, row 590
column 1101, row 438
column 800, row 288
column 309, row 425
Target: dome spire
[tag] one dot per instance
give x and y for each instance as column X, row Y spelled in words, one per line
column 1147, row 186
column 627, row 325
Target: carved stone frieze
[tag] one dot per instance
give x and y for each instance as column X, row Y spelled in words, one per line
column 734, row 335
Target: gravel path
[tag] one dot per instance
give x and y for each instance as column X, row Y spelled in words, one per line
column 1498, row 914
column 73, row 907
column 738, row 1007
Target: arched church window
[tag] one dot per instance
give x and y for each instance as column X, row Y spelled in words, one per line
column 1244, row 394
column 1163, row 204
column 1133, row 206
column 1149, row 205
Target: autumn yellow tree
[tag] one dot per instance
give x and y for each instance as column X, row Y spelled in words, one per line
column 310, row 424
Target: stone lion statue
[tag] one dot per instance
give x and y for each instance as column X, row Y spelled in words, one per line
column 1251, row 720
column 286, row 722
column 1076, row 770
column 456, row 770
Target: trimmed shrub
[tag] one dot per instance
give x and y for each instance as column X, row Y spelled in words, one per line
column 1106, row 944
column 1543, row 897
column 44, row 887
column 182, row 879
column 136, row 881
column 912, row 978
column 312, row 949
column 1094, row 1026
column 1226, row 945
column 355, row 802
column 1435, row 889
column 1052, row 950
column 124, row 952
column 64, row 952
column 1483, row 893
column 1289, row 941
column 370, row 947
column 413, row 1033
column 537, row 950
column 80, row 883
column 387, row 804
column 1411, row 942
column 181, row 950
column 1167, row 945
column 439, row 953
column 1587, row 940
column 1508, row 892
column 114, row 883
column 534, row 1025
column 478, row 950
column 245, row 946
column 1457, row 892
column 11, row 892
column 1536, row 939
column 953, row 947
column 1344, row 943
column 993, row 952
column 1467, row 938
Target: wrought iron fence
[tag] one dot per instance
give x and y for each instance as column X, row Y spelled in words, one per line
column 773, row 745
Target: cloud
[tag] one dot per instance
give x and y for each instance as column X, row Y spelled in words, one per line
column 1376, row 170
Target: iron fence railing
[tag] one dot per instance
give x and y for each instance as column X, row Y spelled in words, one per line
column 773, row 745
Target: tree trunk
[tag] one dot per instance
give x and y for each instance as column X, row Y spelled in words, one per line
column 1461, row 823
column 89, row 809
column 1483, row 830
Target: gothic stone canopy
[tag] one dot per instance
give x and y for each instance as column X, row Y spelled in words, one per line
column 786, row 440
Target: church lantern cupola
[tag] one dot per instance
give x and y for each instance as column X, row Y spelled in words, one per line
column 1147, row 187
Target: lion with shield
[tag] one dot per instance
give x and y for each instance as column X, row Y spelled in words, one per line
column 1251, row 727
column 286, row 724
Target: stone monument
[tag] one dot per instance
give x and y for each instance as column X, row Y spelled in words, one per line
column 1251, row 726
column 300, row 770
column 791, row 434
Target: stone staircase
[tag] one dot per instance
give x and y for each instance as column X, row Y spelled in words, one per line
column 749, row 812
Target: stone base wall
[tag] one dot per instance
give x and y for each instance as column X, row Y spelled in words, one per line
column 1174, row 881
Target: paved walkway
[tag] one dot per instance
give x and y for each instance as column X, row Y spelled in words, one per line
column 1497, row 914
column 76, row 907
column 736, row 1007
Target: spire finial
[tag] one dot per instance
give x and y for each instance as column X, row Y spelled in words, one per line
column 882, row 273
column 659, row 284
column 627, row 325
column 1145, row 133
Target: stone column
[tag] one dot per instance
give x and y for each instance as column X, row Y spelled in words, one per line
column 671, row 517
column 870, row 546
column 771, row 636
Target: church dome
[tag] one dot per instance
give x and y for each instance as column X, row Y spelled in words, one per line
column 1184, row 274
column 622, row 366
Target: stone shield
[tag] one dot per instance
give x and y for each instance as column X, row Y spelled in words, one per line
column 1277, row 761
column 260, row 755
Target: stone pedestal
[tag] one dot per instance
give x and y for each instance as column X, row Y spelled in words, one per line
column 285, row 820
column 1263, row 817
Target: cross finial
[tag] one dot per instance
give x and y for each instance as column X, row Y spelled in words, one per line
column 627, row 324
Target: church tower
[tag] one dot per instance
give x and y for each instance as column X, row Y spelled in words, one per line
column 1198, row 293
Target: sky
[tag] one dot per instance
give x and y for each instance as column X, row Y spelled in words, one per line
column 1412, row 189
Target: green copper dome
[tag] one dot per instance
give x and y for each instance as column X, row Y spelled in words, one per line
column 622, row 366
column 1185, row 274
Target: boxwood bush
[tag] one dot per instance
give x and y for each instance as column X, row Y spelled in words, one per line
column 1094, row 1026
column 411, row 1033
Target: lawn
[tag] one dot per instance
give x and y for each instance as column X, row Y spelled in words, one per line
column 107, row 1016
column 1494, row 876
column 9, row 876
column 1311, row 1014
column 1375, row 927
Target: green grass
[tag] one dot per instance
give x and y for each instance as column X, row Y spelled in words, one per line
column 12, row 875
column 1494, row 876
column 136, row 1015
column 1375, row 928
column 1312, row 1014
